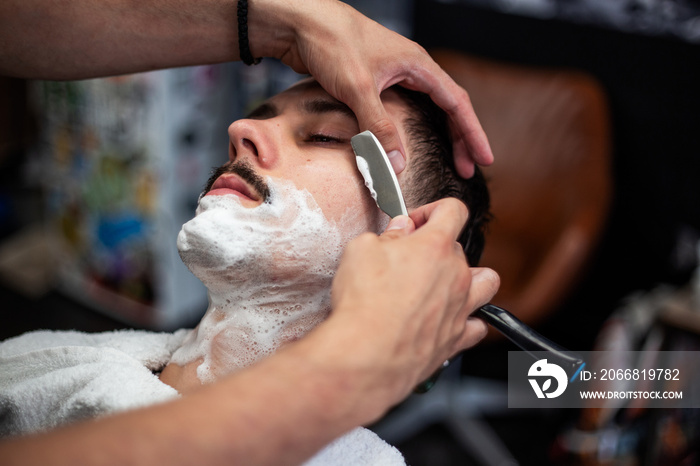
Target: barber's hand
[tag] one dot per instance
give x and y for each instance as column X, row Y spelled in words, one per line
column 410, row 294
column 355, row 59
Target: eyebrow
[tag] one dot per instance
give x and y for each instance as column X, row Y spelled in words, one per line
column 315, row 106
column 320, row 106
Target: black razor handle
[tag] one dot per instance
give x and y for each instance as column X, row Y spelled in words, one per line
column 526, row 338
column 523, row 336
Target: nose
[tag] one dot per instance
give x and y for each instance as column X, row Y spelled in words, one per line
column 254, row 140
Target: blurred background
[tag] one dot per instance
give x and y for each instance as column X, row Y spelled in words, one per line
column 591, row 107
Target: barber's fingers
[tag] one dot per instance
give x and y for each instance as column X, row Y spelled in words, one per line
column 447, row 215
column 399, row 226
column 421, row 73
column 462, row 330
column 371, row 115
column 484, row 285
column 475, row 330
column 471, row 144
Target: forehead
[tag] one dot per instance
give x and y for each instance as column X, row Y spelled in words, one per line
column 307, row 96
column 309, row 89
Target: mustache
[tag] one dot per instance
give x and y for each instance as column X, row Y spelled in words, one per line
column 245, row 172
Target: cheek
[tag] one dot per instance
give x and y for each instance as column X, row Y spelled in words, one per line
column 341, row 194
column 358, row 213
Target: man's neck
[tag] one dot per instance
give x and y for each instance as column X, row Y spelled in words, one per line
column 182, row 378
column 234, row 335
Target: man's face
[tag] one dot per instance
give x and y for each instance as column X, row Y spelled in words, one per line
column 270, row 230
column 303, row 136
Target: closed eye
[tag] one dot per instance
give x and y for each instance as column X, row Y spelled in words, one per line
column 320, row 138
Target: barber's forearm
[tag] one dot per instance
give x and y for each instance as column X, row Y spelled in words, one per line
column 74, row 39
column 290, row 405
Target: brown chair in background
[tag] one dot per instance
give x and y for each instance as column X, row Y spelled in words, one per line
column 550, row 183
column 550, row 190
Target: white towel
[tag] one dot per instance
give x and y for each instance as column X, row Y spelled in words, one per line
column 358, row 447
column 52, row 378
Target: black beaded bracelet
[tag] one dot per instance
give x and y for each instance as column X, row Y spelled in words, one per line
column 243, row 45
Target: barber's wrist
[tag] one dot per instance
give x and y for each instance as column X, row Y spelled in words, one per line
column 271, row 28
column 355, row 358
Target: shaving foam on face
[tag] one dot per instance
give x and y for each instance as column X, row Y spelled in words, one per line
column 268, row 270
column 363, row 166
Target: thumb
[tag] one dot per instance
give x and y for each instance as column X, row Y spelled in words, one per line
column 372, row 116
column 399, row 226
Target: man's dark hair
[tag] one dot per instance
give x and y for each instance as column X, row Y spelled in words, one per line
column 433, row 174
